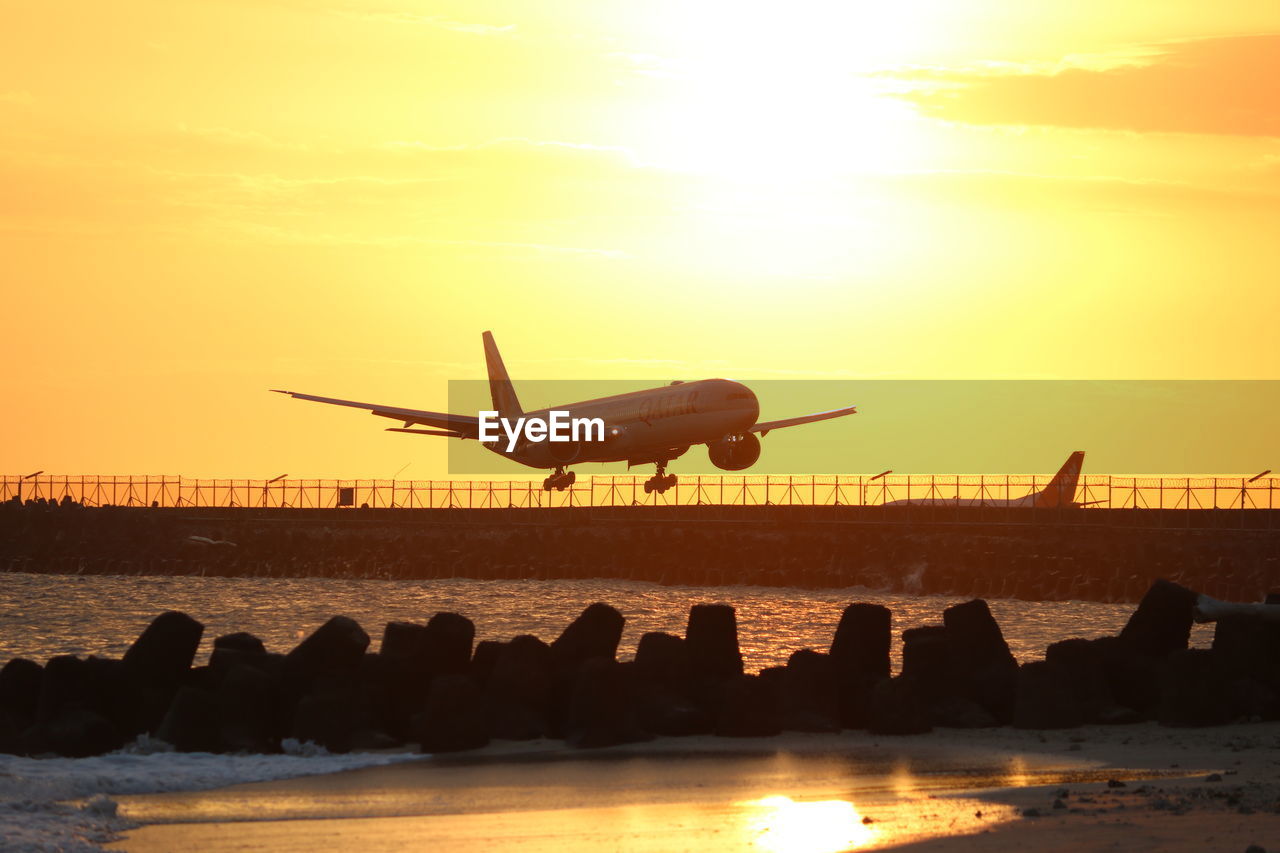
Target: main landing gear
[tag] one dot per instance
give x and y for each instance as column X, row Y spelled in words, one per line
column 660, row 481
column 560, row 480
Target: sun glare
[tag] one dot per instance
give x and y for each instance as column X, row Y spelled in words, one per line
column 767, row 97
column 825, row 826
column 783, row 123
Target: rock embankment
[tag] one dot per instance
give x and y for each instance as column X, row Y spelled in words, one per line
column 982, row 557
column 433, row 686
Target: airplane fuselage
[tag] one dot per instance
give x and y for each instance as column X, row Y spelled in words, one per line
column 1025, row 501
column 1060, row 491
column 644, row 426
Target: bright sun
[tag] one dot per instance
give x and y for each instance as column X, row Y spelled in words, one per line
column 768, row 97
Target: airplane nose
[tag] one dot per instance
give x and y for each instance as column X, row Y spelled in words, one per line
column 744, row 399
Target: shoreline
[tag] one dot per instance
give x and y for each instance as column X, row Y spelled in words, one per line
column 949, row 790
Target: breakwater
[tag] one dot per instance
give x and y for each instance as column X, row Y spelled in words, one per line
column 1084, row 554
column 431, row 685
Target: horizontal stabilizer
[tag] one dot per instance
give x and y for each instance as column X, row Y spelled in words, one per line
column 443, row 432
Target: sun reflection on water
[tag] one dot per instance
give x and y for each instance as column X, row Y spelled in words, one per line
column 782, row 825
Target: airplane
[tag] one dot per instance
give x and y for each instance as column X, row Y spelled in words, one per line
column 1060, row 492
column 653, row 426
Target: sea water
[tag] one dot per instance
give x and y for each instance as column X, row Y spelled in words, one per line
column 46, row 615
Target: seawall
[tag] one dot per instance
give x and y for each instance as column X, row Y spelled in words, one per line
column 1087, row 554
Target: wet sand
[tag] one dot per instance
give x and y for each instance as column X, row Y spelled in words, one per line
column 996, row 789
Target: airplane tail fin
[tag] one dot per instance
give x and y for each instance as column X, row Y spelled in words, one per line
column 505, row 402
column 1061, row 490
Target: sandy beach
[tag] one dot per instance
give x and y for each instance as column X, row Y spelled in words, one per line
column 1095, row 788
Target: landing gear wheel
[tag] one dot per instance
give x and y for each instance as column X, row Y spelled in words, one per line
column 559, row 480
column 660, row 481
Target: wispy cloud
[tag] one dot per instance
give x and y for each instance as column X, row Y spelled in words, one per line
column 515, row 144
column 239, row 138
column 268, row 232
column 1225, row 86
column 521, row 198
column 1100, row 194
column 400, row 16
column 537, row 248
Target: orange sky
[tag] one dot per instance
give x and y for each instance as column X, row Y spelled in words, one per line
column 204, row 200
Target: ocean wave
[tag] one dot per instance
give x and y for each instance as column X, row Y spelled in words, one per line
column 67, row 805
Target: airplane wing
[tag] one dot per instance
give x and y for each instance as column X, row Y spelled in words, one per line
column 765, row 427
column 455, row 426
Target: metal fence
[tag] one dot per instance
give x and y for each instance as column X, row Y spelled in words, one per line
column 1106, row 491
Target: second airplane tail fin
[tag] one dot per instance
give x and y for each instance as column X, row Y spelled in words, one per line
column 1061, row 490
column 505, row 402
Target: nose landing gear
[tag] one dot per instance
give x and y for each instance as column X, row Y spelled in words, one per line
column 560, row 480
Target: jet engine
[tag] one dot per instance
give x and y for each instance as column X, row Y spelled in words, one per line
column 735, row 452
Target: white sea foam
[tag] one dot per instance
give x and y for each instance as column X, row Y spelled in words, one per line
column 65, row 804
